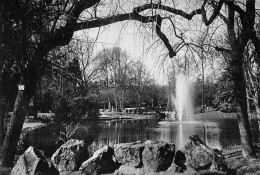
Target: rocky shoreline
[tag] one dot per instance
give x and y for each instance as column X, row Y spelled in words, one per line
column 127, row 158
column 235, row 163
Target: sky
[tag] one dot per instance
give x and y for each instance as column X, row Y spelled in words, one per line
column 127, row 36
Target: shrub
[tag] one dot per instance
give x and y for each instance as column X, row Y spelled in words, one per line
column 76, row 109
column 227, row 107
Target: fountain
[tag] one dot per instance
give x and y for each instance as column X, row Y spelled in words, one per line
column 183, row 99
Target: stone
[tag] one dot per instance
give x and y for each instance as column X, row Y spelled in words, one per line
column 32, row 162
column 102, row 161
column 70, row 155
column 179, row 161
column 129, row 154
column 72, row 173
column 127, row 170
column 200, row 156
column 218, row 163
column 53, row 170
column 157, row 156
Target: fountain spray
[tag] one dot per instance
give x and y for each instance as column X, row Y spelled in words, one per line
column 183, row 100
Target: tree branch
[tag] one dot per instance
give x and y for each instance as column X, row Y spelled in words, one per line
column 256, row 42
column 98, row 22
column 168, row 9
column 221, row 49
column 220, row 14
column 213, row 16
column 236, row 8
column 63, row 35
column 163, row 37
column 230, row 25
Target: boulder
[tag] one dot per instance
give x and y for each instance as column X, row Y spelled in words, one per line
column 70, row 155
column 129, row 154
column 157, row 156
column 31, row 162
column 102, row 161
column 127, row 170
column 72, row 173
column 179, row 161
column 200, row 156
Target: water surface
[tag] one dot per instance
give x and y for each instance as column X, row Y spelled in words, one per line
column 220, row 134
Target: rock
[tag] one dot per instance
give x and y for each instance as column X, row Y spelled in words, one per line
column 127, row 170
column 179, row 161
column 129, row 154
column 218, row 163
column 200, row 156
column 70, row 155
column 102, row 161
column 72, row 173
column 32, row 162
column 53, row 170
column 157, row 156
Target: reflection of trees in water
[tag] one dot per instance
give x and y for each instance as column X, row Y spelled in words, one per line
column 44, row 138
column 97, row 135
column 88, row 132
column 113, row 132
column 222, row 135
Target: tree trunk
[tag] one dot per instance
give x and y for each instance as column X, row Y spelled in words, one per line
column 122, row 106
column 258, row 111
column 236, row 70
column 248, row 102
column 257, row 108
column 203, row 86
column 35, row 106
column 15, row 126
column 2, row 114
column 257, row 104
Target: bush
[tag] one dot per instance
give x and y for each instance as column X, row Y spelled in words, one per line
column 47, row 101
column 76, row 109
column 227, row 107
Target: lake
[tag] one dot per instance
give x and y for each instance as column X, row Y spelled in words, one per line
column 218, row 134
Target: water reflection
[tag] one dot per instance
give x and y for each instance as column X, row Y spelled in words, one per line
column 215, row 134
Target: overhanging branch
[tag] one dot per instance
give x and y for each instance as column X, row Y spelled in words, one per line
column 165, row 40
column 168, row 9
column 128, row 16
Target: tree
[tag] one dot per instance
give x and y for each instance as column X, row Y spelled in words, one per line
column 114, row 72
column 46, row 25
column 252, row 75
column 1, row 73
column 238, row 41
column 88, row 64
column 224, row 98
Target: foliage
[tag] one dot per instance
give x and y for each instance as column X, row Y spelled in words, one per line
column 67, row 134
column 224, row 98
column 76, row 109
column 47, row 102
